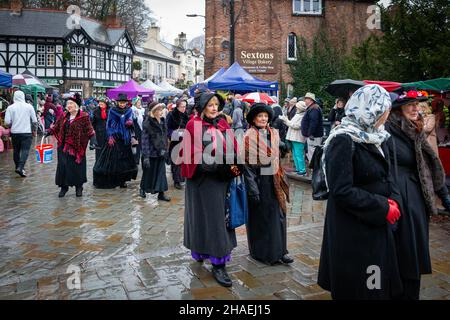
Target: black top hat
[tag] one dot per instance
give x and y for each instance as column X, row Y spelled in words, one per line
column 122, row 97
column 258, row 108
column 405, row 98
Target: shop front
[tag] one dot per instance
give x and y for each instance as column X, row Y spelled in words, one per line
column 99, row 87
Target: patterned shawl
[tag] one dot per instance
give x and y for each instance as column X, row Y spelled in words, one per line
column 257, row 152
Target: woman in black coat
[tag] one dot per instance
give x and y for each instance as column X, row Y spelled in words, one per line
column 205, row 230
column 266, row 188
column 358, row 258
column 176, row 123
column 419, row 175
column 154, row 150
column 99, row 119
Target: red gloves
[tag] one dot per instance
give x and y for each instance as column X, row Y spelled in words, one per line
column 111, row 141
column 394, row 212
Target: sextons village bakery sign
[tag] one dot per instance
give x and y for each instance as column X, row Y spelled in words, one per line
column 258, row 61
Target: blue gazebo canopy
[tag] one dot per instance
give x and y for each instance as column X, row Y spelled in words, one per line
column 235, row 78
column 5, row 79
column 204, row 84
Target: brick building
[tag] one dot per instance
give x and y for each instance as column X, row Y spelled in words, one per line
column 270, row 29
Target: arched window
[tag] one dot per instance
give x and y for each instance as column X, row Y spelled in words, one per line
column 292, row 46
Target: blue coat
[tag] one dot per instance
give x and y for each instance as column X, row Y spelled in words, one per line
column 312, row 122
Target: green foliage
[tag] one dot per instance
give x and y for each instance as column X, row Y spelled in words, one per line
column 137, row 65
column 414, row 44
column 314, row 69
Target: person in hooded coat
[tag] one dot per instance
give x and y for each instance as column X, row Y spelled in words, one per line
column 176, row 123
column 266, row 188
column 99, row 119
column 205, row 230
column 154, row 151
column 358, row 255
column 419, row 175
column 116, row 164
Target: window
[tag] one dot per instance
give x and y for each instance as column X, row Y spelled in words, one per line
column 189, row 59
column 100, row 60
column 45, row 55
column 307, row 6
column 77, row 57
column 50, row 56
column 171, row 73
column 159, row 72
column 292, row 47
column 189, row 76
column 41, row 55
column 121, row 64
column 145, row 70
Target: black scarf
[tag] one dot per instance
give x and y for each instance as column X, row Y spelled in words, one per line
column 429, row 167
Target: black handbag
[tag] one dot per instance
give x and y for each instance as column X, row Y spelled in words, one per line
column 318, row 183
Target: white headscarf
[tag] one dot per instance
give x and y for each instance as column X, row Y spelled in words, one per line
column 362, row 111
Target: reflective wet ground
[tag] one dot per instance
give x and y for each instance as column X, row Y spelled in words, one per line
column 124, row 247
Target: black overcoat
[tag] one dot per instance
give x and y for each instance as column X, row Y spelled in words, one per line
column 412, row 236
column 357, row 235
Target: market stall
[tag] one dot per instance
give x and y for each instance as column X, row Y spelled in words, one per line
column 132, row 89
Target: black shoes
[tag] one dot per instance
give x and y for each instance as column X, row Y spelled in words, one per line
column 163, row 197
column 21, row 172
column 221, row 276
column 286, row 259
column 142, row 193
column 79, row 191
column 178, row 186
column 123, row 185
column 63, row 192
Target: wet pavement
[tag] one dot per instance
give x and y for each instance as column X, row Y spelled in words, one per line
column 121, row 246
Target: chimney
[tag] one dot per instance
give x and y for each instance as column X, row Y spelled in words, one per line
column 16, row 7
column 154, row 32
column 112, row 20
column 181, row 41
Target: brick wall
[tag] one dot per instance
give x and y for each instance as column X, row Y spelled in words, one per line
column 267, row 23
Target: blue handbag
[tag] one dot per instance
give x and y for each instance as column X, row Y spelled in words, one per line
column 236, row 204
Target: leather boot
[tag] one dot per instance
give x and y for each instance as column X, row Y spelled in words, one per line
column 221, row 276
column 163, row 197
column 142, row 193
column 79, row 191
column 286, row 259
column 63, row 192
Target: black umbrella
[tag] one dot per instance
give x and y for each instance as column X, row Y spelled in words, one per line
column 343, row 88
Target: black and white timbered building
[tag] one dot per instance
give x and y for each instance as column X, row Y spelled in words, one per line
column 86, row 57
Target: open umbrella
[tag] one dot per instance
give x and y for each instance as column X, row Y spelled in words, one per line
column 256, row 97
column 343, row 88
column 25, row 80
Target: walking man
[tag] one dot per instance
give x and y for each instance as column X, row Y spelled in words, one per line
column 312, row 124
column 20, row 116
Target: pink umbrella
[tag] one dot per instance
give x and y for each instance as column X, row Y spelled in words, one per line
column 255, row 97
column 24, row 80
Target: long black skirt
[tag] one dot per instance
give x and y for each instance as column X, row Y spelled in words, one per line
column 266, row 227
column 154, row 178
column 114, row 166
column 68, row 172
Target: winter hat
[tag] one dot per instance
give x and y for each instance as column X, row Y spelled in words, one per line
column 152, row 107
column 122, row 97
column 77, row 99
column 257, row 108
column 310, row 95
column 205, row 98
column 407, row 97
column 301, row 106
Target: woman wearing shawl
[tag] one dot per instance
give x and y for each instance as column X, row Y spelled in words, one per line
column 419, row 176
column 138, row 119
column 205, row 231
column 99, row 119
column 266, row 188
column 73, row 133
column 116, row 164
column 358, row 257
